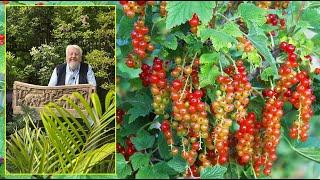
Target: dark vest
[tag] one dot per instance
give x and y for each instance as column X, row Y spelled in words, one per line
column 61, row 73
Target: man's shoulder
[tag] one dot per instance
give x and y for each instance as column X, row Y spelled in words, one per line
column 61, row 65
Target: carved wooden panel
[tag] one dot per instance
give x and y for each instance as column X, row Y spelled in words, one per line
column 35, row 96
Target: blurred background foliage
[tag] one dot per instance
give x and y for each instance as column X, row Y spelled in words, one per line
column 37, row 38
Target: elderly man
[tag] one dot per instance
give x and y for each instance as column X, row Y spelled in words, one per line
column 74, row 71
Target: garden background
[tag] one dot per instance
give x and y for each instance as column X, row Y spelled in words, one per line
column 289, row 164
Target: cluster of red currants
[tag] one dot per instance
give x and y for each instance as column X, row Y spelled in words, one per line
column 166, row 129
column 271, row 124
column 145, row 74
column 119, row 116
column 244, row 44
column 159, row 86
column 245, row 138
column 302, row 98
column 131, row 8
column 273, row 19
column 127, row 150
column 194, row 23
column 141, row 44
column 140, row 39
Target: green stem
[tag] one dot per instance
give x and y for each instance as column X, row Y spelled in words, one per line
column 146, row 125
column 271, row 83
column 255, row 90
column 254, row 173
column 221, row 67
column 272, row 41
column 185, row 85
column 232, row 61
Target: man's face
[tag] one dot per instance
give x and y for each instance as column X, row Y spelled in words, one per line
column 73, row 58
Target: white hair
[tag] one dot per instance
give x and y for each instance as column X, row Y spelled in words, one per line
column 76, row 47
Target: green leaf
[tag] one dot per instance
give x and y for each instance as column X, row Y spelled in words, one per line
column 208, row 74
column 260, row 42
column 123, row 169
column 268, row 28
column 149, row 172
column 178, row 164
column 266, row 74
column 209, row 58
column 232, row 29
column 211, row 93
column 143, row 140
column 132, row 128
column 125, row 33
column 219, row 39
column 252, row 14
column 256, row 105
column 234, row 170
column 124, row 71
column 140, row 106
column 194, row 45
column 164, row 149
column 181, row 11
column 139, row 160
column 309, row 149
column 215, row 172
column 171, row 42
column 163, row 168
column 309, row 15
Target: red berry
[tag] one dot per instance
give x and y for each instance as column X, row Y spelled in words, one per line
column 194, row 21
column 292, row 57
column 283, row 46
column 123, row 2
column 130, row 63
column 290, row 48
column 177, row 85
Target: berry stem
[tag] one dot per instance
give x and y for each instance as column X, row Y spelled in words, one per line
column 146, row 125
column 271, row 84
column 183, row 64
column 232, row 60
column 221, row 67
column 185, row 85
column 183, row 147
column 258, row 92
column 299, row 120
column 254, row 173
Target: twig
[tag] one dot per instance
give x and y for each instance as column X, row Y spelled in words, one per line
column 255, row 90
column 213, row 20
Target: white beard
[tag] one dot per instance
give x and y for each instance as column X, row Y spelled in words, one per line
column 73, row 65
